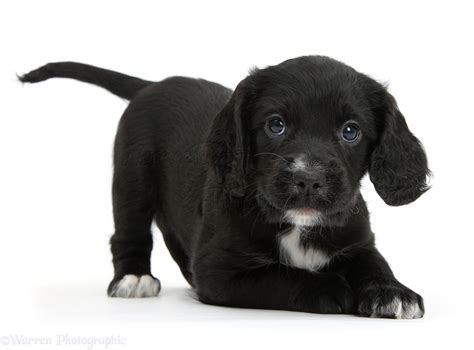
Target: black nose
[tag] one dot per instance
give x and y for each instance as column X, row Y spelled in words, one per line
column 309, row 182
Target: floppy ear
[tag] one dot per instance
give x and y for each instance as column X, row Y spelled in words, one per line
column 227, row 144
column 398, row 167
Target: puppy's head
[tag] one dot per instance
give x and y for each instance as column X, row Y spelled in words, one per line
column 299, row 137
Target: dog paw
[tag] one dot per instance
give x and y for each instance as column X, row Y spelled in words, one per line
column 330, row 294
column 339, row 301
column 390, row 300
column 132, row 286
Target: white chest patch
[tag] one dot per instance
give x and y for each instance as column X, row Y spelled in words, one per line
column 293, row 253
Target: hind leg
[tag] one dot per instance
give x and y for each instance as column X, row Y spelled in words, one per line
column 177, row 253
column 134, row 201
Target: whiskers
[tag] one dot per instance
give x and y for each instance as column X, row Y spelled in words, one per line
column 271, row 154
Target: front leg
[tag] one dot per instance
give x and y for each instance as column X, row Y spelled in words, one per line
column 378, row 293
column 273, row 286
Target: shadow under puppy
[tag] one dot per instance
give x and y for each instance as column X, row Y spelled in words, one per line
column 256, row 191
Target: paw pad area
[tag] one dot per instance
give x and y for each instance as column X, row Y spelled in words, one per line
column 132, row 286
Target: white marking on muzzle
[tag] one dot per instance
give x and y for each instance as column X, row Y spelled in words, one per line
column 299, row 164
column 303, row 217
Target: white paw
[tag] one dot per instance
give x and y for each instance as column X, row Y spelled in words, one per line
column 398, row 309
column 131, row 286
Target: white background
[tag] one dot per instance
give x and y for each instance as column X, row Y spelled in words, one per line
column 56, row 145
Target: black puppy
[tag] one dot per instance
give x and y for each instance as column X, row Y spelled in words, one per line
column 256, row 191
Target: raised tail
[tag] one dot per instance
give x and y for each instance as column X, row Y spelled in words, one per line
column 119, row 84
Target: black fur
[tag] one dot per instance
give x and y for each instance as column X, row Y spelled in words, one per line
column 199, row 159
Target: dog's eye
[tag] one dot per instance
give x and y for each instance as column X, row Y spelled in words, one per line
column 350, row 132
column 276, row 125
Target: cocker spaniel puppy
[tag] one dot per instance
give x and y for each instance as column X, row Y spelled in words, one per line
column 257, row 191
